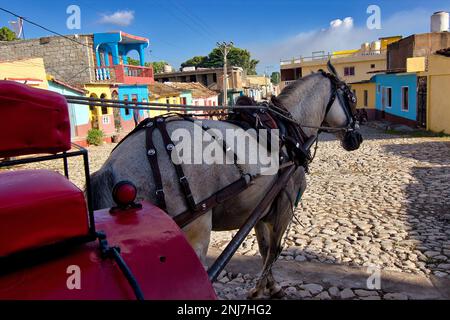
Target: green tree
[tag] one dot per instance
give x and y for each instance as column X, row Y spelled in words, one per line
column 158, row 66
column 275, row 78
column 198, row 61
column 7, row 35
column 237, row 57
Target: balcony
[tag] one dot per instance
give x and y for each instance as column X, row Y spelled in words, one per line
column 124, row 74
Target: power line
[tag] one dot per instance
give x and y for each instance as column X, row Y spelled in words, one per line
column 194, row 28
column 194, row 19
column 44, row 28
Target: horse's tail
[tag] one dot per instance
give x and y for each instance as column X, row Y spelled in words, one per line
column 102, row 183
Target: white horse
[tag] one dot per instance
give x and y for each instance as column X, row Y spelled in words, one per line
column 313, row 101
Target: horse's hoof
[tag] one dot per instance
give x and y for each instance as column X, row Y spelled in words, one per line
column 255, row 294
column 277, row 292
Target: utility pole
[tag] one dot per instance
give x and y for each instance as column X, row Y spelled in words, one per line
column 267, row 81
column 225, row 49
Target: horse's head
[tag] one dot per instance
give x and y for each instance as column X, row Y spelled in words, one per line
column 341, row 110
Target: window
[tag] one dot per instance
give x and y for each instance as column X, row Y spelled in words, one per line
column 104, row 109
column 127, row 111
column 366, row 98
column 387, row 97
column 214, row 77
column 405, row 98
column 349, row 71
column 372, row 66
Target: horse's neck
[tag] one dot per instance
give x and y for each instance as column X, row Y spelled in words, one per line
column 307, row 103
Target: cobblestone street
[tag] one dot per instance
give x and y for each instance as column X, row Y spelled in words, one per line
column 385, row 205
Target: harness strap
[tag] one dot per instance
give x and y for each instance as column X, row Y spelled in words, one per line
column 217, row 198
column 152, row 157
column 185, row 188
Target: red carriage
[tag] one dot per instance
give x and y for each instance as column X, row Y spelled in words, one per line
column 53, row 245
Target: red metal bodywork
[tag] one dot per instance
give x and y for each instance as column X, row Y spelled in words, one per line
column 155, row 249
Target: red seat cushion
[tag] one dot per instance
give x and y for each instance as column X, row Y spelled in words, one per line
column 32, row 120
column 38, row 208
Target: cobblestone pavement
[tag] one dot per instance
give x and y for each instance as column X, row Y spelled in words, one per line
column 386, row 204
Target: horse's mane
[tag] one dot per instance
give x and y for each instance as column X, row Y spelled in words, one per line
column 295, row 86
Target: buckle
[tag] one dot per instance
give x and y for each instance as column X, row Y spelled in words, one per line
column 183, row 179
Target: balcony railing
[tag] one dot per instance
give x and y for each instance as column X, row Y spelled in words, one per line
column 125, row 74
column 297, row 60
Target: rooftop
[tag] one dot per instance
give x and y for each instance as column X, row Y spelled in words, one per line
column 198, row 90
column 159, row 89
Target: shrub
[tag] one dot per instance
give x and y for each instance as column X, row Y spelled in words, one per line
column 95, row 137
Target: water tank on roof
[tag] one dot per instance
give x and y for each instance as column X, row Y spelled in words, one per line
column 186, row 69
column 375, row 46
column 440, row 21
column 168, row 68
column 365, row 47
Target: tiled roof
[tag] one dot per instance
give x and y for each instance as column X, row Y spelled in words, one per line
column 198, row 90
column 158, row 89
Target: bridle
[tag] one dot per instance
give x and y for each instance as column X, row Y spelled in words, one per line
column 341, row 91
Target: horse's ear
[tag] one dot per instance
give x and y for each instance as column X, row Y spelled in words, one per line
column 245, row 101
column 332, row 69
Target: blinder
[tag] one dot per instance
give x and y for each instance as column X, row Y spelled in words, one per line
column 352, row 137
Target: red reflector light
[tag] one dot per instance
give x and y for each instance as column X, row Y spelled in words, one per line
column 124, row 193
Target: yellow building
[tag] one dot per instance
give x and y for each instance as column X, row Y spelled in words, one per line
column 28, row 71
column 162, row 93
column 365, row 94
column 351, row 68
column 355, row 67
column 101, row 117
column 438, row 104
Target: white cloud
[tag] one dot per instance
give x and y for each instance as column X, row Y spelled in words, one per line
column 121, row 18
column 340, row 35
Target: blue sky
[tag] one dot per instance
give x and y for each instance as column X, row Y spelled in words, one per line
column 270, row 29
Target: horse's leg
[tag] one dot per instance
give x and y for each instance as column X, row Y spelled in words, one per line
column 198, row 234
column 275, row 225
column 262, row 236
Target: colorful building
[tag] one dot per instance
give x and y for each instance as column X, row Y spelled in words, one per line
column 132, row 93
column 365, row 92
column 111, row 56
column 396, row 97
column 27, row 71
column 355, row 67
column 79, row 114
column 165, row 94
column 101, row 117
column 201, row 95
column 438, row 78
column 406, row 89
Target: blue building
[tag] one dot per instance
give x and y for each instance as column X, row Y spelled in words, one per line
column 132, row 93
column 396, row 97
column 111, row 55
column 79, row 114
